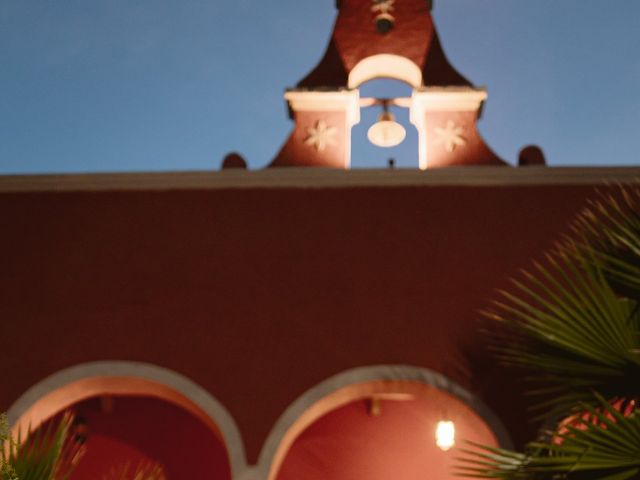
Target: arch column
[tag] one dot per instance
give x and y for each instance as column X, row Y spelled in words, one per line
column 322, row 132
column 446, row 120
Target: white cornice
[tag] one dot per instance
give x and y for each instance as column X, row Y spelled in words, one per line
column 321, row 178
column 448, row 99
column 347, row 101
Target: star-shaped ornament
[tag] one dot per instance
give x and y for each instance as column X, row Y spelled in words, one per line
column 320, row 136
column 383, row 7
column 450, row 136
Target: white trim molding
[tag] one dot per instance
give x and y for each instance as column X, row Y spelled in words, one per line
column 311, row 178
column 447, row 99
column 347, row 101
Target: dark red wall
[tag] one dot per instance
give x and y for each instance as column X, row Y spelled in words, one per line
column 260, row 294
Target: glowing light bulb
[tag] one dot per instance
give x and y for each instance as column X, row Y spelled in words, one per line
column 386, row 132
column 445, row 435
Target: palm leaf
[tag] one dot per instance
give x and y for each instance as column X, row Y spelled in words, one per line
column 567, row 322
column 604, row 444
column 49, row 453
column 6, row 471
column 575, row 336
column 611, row 230
column 573, row 323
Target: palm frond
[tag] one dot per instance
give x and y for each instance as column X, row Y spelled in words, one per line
column 571, row 330
column 567, row 321
column 602, row 445
column 611, row 230
column 573, row 323
column 49, row 453
column 6, row 471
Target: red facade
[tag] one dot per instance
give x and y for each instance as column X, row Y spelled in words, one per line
column 289, row 324
column 258, row 294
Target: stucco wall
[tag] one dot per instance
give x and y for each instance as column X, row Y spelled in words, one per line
column 259, row 294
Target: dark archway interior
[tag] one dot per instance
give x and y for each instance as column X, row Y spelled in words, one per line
column 126, row 430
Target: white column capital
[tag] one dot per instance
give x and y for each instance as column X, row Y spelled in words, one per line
column 347, row 101
column 447, row 99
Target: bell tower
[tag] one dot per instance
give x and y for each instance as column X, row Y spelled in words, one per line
column 385, row 39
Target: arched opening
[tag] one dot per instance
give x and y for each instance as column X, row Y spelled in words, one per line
column 128, row 431
column 132, row 413
column 385, row 65
column 377, row 423
column 364, row 154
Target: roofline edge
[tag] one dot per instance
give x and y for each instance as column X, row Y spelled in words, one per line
column 320, row 178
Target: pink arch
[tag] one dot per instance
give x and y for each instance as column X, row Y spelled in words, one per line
column 73, row 385
column 364, row 383
column 64, row 397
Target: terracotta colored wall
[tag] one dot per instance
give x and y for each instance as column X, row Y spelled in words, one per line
column 399, row 443
column 258, row 295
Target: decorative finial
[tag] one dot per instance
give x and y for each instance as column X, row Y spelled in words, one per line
column 531, row 156
column 234, row 160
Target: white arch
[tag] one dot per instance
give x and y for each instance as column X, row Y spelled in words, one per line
column 66, row 387
column 282, row 434
column 385, row 65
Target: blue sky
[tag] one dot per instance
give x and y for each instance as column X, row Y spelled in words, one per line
column 141, row 85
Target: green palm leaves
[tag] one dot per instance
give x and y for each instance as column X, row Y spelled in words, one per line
column 612, row 226
column 572, row 323
column 51, row 453
column 574, row 334
column 46, row 454
column 6, row 470
column 603, row 446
